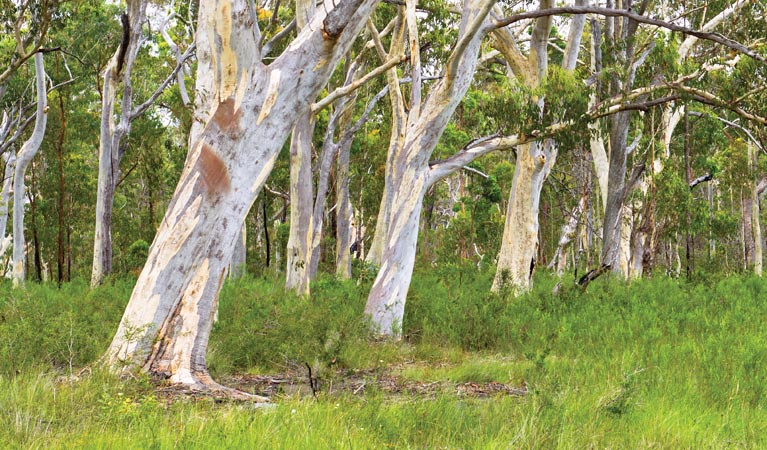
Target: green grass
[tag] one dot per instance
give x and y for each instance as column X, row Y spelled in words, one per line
column 659, row 363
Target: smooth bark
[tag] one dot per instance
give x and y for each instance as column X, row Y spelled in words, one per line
column 519, row 245
column 23, row 159
column 409, row 174
column 113, row 135
column 5, row 196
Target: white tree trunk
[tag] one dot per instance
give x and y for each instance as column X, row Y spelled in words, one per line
column 409, row 175
column 5, row 196
column 344, row 214
column 568, row 234
column 24, row 158
column 168, row 319
column 516, row 259
column 386, row 301
column 519, row 245
column 301, row 206
column 114, row 132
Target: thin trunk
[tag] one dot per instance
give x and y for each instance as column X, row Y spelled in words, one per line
column 266, row 232
column 61, row 195
column 344, row 213
column 5, row 196
column 33, row 224
column 688, row 178
column 559, row 260
column 755, row 243
column 113, row 135
column 24, row 158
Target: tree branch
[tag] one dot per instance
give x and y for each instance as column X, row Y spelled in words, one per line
column 144, row 106
column 351, row 87
column 701, row 179
column 609, row 12
column 269, row 46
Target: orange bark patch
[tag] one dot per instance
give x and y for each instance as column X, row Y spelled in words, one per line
column 214, row 172
column 226, row 118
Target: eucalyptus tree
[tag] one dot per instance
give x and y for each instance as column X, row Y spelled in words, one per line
column 115, row 128
column 251, row 108
column 409, row 170
column 308, row 206
column 642, row 238
column 519, row 246
column 298, row 270
column 23, row 159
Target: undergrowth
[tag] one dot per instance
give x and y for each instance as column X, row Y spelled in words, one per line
column 659, row 363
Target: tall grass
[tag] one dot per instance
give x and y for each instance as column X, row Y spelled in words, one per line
column 658, row 363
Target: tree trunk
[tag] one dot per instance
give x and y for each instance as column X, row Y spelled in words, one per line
column 519, row 244
column 568, row 234
column 5, row 196
column 168, row 319
column 60, row 274
column 410, row 174
column 297, row 276
column 300, row 240
column 24, row 158
column 616, row 187
column 344, row 213
column 759, row 187
column 114, row 132
column 386, row 301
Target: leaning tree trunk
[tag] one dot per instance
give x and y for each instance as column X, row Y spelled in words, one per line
column 386, row 301
column 168, row 319
column 410, row 175
column 23, row 159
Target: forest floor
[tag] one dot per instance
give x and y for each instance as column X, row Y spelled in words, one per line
column 660, row 363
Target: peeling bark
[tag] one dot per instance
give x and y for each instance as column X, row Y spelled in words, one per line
column 168, row 319
column 297, row 276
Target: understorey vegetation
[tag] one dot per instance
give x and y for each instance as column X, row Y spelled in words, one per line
column 659, row 362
